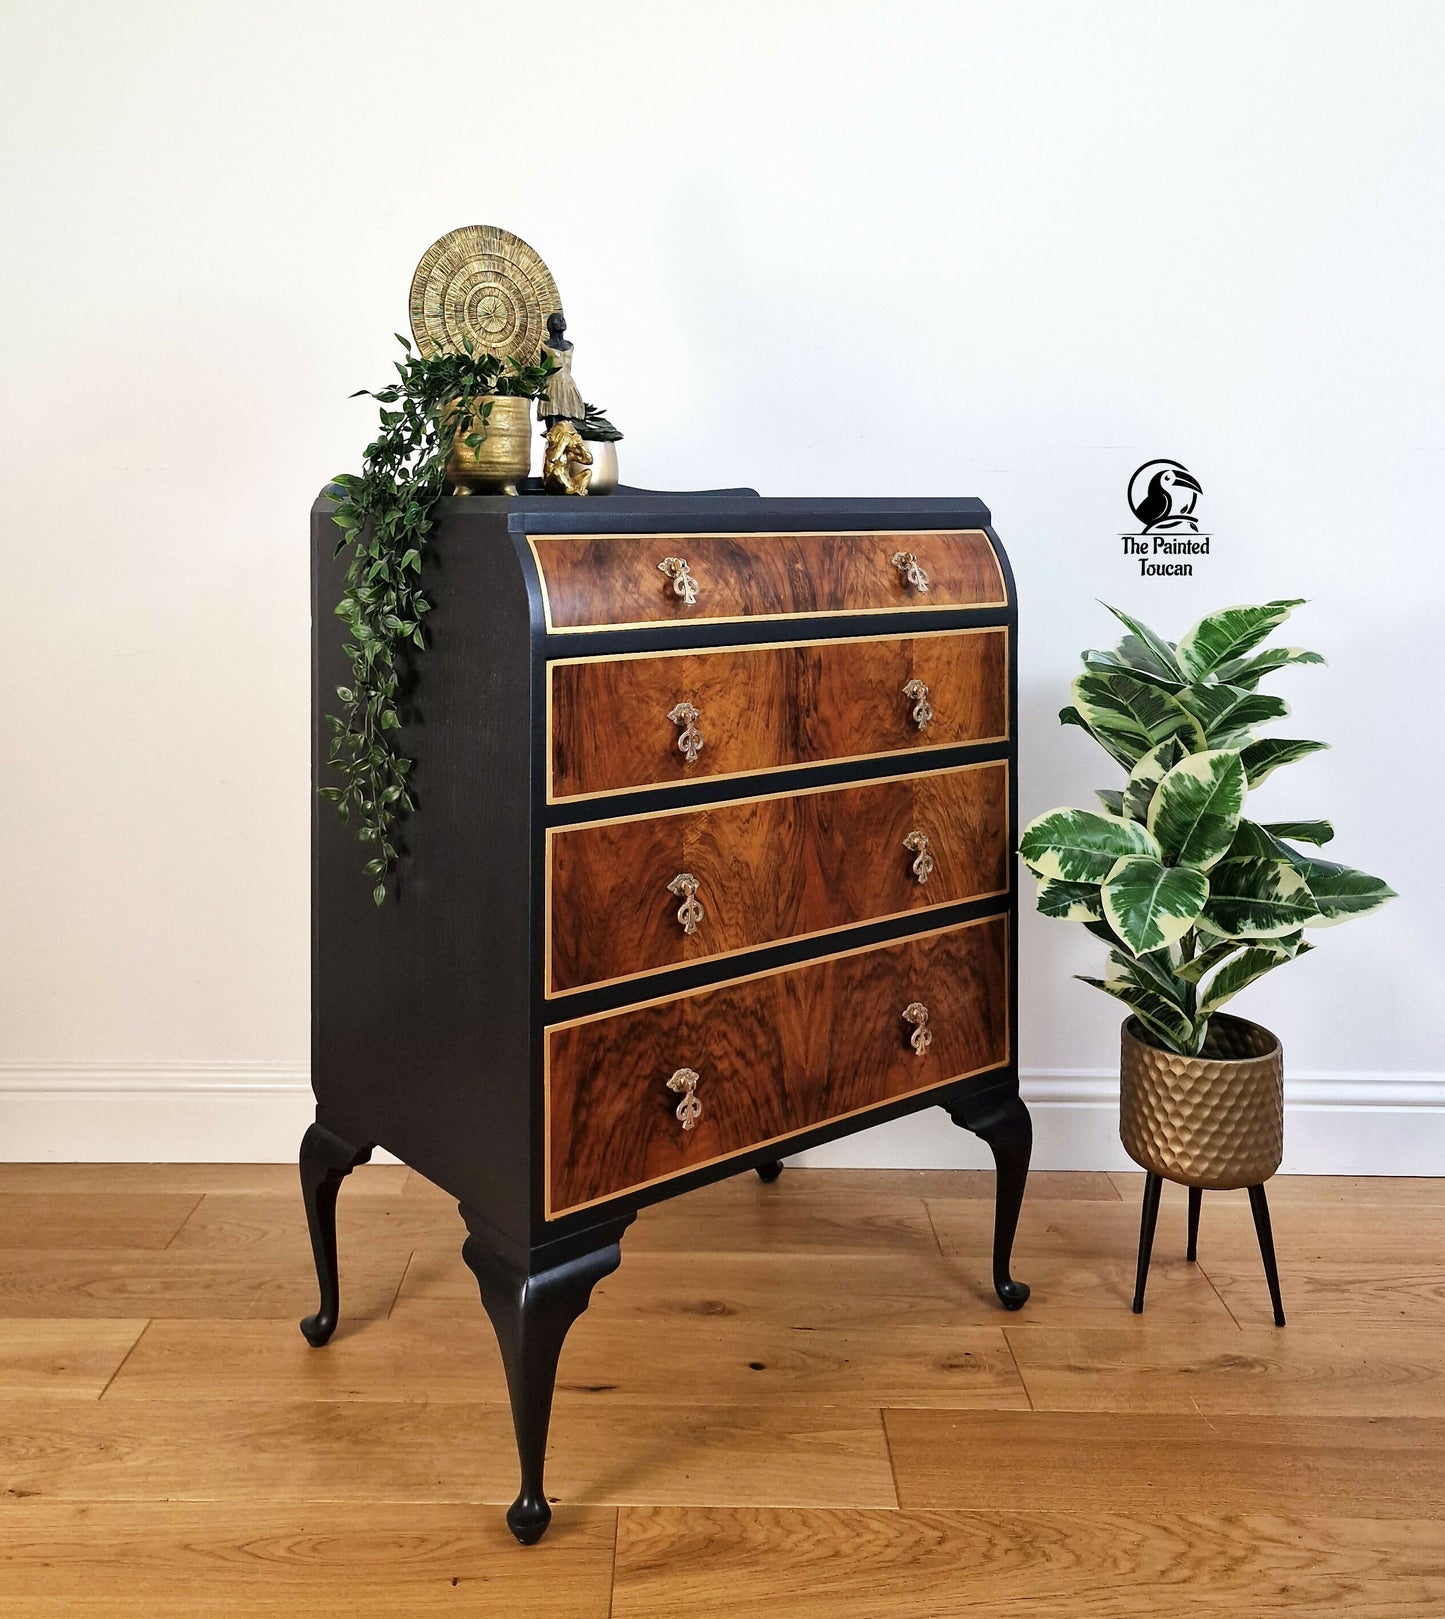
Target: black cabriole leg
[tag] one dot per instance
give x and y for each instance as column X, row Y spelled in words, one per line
column 768, row 1173
column 1196, row 1197
column 1000, row 1118
column 1259, row 1207
column 531, row 1312
column 326, row 1160
column 1153, row 1186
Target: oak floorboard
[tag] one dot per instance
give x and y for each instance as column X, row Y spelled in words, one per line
column 729, row 1360
column 329, row 1560
column 602, row 1453
column 100, row 1283
column 1395, row 1192
column 58, row 1220
column 258, row 1227
column 71, row 1358
column 1045, row 1461
column 734, row 1563
column 1336, row 1292
column 1303, row 1370
column 86, row 1180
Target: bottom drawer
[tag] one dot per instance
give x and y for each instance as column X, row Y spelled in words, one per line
column 773, row 1055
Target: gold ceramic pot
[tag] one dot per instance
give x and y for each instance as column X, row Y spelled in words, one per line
column 502, row 458
column 1214, row 1121
column 604, row 465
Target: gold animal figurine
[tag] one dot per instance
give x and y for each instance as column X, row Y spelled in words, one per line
column 567, row 467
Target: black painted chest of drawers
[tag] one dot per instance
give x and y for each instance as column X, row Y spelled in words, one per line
column 711, row 862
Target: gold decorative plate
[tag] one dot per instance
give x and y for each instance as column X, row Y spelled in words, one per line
column 484, row 284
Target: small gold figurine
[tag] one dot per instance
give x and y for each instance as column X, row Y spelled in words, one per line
column 567, row 466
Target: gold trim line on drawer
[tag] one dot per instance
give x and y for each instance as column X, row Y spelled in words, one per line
column 551, row 992
column 796, row 764
column 551, row 1213
column 907, row 606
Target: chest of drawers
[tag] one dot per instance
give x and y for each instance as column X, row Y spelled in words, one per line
column 711, row 862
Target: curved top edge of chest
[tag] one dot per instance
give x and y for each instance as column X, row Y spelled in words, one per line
column 608, row 581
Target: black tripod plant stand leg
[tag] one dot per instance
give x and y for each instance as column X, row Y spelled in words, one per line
column 1149, row 1218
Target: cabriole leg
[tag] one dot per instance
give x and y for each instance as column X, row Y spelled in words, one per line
column 768, row 1173
column 1000, row 1118
column 326, row 1160
column 531, row 1312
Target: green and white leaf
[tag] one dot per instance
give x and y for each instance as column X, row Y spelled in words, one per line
column 1145, row 777
column 1252, row 898
column 1160, row 1016
column 1195, row 810
column 1140, row 666
column 1150, row 905
column 1316, row 832
column 1206, row 961
column 1149, row 972
column 1070, row 902
column 1269, row 753
column 1078, row 846
column 1250, row 964
column 1071, row 716
column 1221, row 637
column 1111, row 798
column 1132, row 715
column 1249, row 672
column 1341, row 892
column 1146, row 650
column 1225, row 711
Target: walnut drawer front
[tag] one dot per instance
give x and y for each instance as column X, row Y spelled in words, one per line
column 772, row 1055
column 647, row 718
column 631, row 896
column 615, row 581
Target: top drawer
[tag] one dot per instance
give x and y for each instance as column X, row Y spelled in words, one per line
column 624, row 581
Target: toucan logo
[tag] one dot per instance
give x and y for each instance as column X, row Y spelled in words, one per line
column 1162, row 495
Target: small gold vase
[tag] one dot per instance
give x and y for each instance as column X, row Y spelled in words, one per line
column 1214, row 1121
column 502, row 458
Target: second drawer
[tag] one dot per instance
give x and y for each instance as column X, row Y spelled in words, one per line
column 632, row 896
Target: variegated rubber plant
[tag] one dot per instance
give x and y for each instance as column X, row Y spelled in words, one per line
column 1193, row 900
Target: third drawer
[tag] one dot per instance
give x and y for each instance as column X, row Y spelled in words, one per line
column 643, row 893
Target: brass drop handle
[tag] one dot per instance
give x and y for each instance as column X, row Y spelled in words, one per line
column 917, row 843
column 689, row 913
column 921, row 1039
column 917, row 694
column 690, row 738
column 689, row 1109
column 912, row 570
column 684, row 586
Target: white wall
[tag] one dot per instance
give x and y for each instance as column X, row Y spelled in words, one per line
column 841, row 248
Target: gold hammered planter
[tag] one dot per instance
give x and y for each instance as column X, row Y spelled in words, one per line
column 1214, row 1121
column 502, row 459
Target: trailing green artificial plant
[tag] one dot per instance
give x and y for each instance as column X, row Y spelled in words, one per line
column 1193, row 900
column 385, row 515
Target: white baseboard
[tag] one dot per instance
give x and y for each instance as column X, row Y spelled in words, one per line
column 213, row 1112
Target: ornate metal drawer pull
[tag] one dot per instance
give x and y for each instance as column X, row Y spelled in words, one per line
column 917, row 694
column 689, row 1109
column 690, row 741
column 689, row 913
column 684, row 586
column 921, row 1039
column 917, row 843
column 912, row 570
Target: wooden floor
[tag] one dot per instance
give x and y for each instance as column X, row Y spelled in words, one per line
column 797, row 1399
